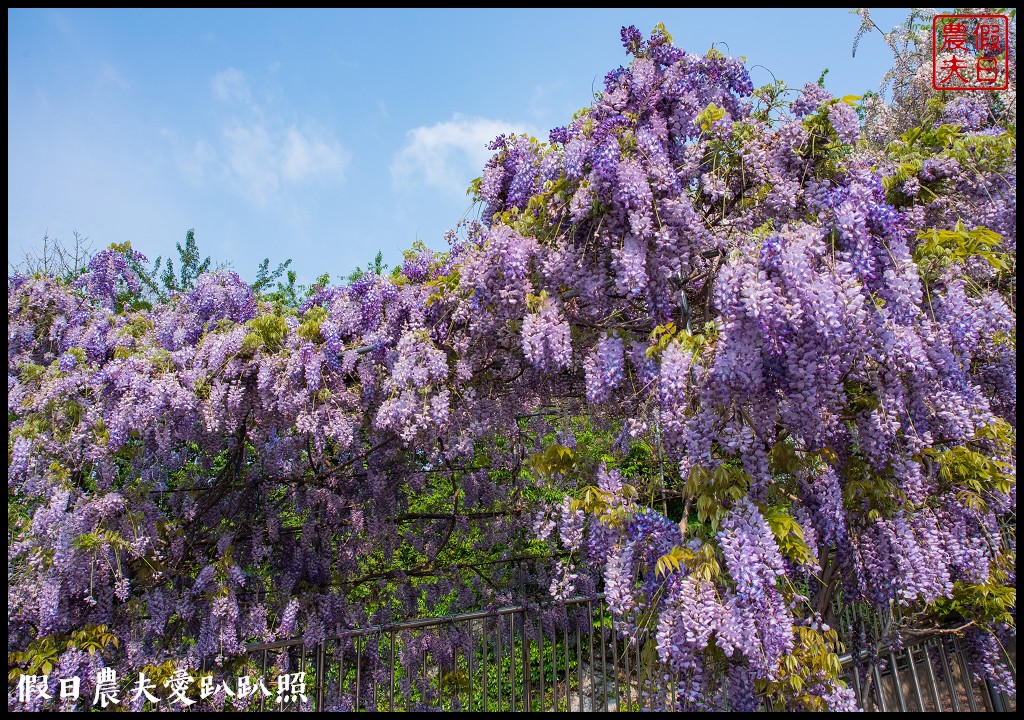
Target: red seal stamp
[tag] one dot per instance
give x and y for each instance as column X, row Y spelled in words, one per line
column 969, row 52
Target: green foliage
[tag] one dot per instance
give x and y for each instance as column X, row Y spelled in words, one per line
column 993, row 601
column 552, row 461
column 30, row 373
column 770, row 97
column 825, row 149
column 986, row 153
column 670, row 561
column 815, row 657
column 136, row 327
column 161, row 279
column 789, row 535
column 709, row 116
column 309, row 328
column 265, row 277
column 715, row 491
column 941, row 248
column 976, row 474
column 192, row 265
column 375, row 267
column 924, row 141
column 784, row 458
column 871, row 494
column 43, row 653
column 661, row 336
column 286, row 294
column 444, row 286
column 266, row 331
column 660, row 32
column 860, row 398
column 694, row 343
column 608, row 508
column 702, row 562
column 538, row 219
column 976, row 154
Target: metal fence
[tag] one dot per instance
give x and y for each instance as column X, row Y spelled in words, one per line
column 928, row 674
column 562, row 657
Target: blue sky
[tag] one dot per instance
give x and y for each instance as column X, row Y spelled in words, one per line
column 324, row 136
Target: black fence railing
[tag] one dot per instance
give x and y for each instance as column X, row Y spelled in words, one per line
column 554, row 657
column 929, row 673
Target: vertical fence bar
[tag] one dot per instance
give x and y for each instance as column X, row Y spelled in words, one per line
column 965, row 674
column 341, row 666
column 615, row 668
column 455, row 680
column 302, row 670
column 568, row 671
column 602, row 648
column 541, row 653
column 858, row 689
column 628, row 682
column 359, row 669
column 527, row 684
column 373, row 680
column 644, row 670
column 916, row 679
column 590, row 635
column 554, row 668
column 953, row 694
column 931, row 677
column 900, row 700
column 440, row 683
column 512, row 658
column 879, row 691
column 321, row 674
column 579, row 670
column 487, row 689
column 640, row 671
column 410, row 676
column 499, row 660
column 469, row 663
column 995, row 699
column 1004, row 698
column 263, row 675
column 426, row 680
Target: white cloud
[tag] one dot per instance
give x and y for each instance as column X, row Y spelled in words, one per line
column 193, row 164
column 231, row 85
column 250, row 161
column 259, row 154
column 110, row 75
column 307, row 155
column 448, row 155
column 260, row 160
